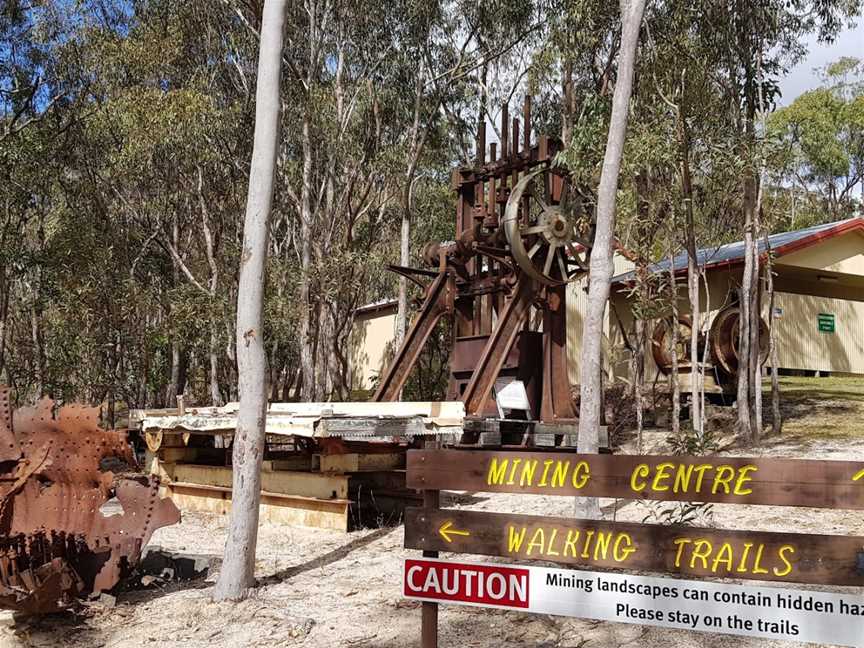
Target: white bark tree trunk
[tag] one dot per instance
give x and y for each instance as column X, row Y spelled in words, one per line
column 744, row 377
column 601, row 266
column 776, row 416
column 238, row 564
column 697, row 381
column 673, row 351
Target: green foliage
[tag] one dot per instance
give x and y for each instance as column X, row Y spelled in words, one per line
column 126, row 130
column 818, row 141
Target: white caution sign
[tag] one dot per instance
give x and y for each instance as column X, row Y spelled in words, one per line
column 766, row 612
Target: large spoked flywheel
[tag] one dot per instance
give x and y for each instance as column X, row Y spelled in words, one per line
column 544, row 240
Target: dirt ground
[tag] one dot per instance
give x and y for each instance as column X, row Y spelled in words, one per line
column 326, row 589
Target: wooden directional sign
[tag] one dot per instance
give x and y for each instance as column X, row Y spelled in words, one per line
column 792, row 558
column 779, row 482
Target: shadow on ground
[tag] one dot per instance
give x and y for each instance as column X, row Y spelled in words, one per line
column 329, row 558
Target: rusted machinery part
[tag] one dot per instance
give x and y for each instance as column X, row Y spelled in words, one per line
column 56, row 542
column 554, row 255
column 660, row 342
column 725, row 336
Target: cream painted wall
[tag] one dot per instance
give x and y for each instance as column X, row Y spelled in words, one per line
column 800, row 344
column 842, row 254
column 577, row 306
column 371, row 347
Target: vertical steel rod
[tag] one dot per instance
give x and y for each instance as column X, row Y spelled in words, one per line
column 505, row 136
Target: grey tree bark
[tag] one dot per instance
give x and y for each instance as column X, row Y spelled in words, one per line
column 601, row 266
column 673, row 351
column 776, row 416
column 238, row 564
column 745, row 426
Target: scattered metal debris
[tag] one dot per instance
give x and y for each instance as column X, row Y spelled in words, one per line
column 58, row 469
column 160, row 565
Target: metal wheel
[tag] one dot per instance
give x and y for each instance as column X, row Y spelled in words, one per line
column 725, row 338
column 660, row 343
column 545, row 241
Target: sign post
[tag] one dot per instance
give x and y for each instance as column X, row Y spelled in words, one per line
column 676, row 550
column 765, row 612
column 429, row 620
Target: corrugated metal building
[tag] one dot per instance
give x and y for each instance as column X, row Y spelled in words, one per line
column 819, row 301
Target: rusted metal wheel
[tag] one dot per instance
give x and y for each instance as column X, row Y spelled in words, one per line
column 545, row 241
column 725, row 337
column 660, row 347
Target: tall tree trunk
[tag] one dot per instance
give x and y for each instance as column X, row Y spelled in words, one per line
column 4, row 320
column 755, row 346
column 38, row 349
column 673, row 351
column 639, row 380
column 173, row 384
column 404, row 251
column 776, row 416
column 417, row 142
column 601, row 265
column 307, row 343
column 745, row 423
column 238, row 562
column 213, row 360
column 696, row 376
column 173, row 387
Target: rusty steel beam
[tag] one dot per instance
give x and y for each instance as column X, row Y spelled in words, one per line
column 498, row 346
column 439, row 300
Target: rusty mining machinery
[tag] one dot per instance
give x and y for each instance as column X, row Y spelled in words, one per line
column 722, row 354
column 58, row 540
column 522, row 234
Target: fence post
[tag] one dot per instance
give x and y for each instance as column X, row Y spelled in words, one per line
column 429, row 622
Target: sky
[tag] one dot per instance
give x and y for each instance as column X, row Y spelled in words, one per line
column 802, row 77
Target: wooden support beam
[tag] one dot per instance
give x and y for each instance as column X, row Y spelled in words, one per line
column 515, row 150
column 304, row 484
column 355, row 462
column 276, row 508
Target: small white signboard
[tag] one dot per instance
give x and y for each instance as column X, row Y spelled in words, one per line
column 766, row 612
column 511, row 395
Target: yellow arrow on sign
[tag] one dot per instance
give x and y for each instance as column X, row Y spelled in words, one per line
column 859, row 475
column 447, row 531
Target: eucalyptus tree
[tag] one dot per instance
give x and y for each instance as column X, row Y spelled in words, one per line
column 238, row 565
column 818, row 140
column 601, row 266
column 752, row 45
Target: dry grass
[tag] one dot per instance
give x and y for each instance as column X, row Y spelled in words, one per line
column 819, row 408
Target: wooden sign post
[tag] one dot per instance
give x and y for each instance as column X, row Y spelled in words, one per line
column 677, row 550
